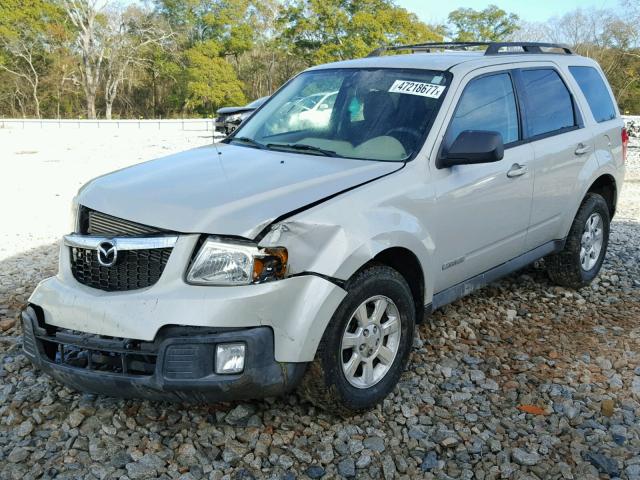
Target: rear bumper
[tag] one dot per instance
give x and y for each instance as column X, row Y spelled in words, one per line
column 178, row 365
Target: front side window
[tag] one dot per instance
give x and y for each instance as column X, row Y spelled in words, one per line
column 595, row 91
column 487, row 103
column 549, row 103
column 371, row 114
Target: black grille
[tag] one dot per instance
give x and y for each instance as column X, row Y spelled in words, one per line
column 134, row 268
column 96, row 352
column 93, row 222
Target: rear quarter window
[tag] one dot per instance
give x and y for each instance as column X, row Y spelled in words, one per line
column 595, row 91
column 549, row 106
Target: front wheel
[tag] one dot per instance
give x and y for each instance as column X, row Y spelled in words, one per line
column 580, row 260
column 366, row 345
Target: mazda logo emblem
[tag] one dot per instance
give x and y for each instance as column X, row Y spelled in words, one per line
column 107, row 253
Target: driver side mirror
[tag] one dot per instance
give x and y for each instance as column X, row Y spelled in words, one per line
column 471, row 147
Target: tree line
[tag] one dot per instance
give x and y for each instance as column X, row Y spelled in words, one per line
column 172, row 58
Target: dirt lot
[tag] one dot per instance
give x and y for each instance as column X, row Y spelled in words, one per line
column 520, row 380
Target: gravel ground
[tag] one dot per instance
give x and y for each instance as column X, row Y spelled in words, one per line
column 521, row 380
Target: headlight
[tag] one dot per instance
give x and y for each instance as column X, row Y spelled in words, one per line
column 227, row 263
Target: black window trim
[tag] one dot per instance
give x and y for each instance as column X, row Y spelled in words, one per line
column 444, row 144
column 578, row 121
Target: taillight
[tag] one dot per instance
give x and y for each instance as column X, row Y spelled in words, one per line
column 625, row 143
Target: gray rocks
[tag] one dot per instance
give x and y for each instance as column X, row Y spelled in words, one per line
column 603, row 463
column 522, row 457
column 476, row 376
column 490, row 384
column 75, row 418
column 315, row 471
column 285, row 462
column 374, row 443
column 18, row 455
column 347, row 467
column 429, row 461
column 240, row 415
column 24, row 429
column 146, row 467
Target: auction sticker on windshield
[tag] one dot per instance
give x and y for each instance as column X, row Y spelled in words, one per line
column 417, row 88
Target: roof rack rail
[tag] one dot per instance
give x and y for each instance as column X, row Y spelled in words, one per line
column 493, row 48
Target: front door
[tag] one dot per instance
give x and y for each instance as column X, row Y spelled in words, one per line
column 483, row 210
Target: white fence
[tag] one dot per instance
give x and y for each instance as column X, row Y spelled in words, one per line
column 187, row 124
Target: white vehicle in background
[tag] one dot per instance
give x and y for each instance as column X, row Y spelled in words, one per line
column 313, row 111
column 303, row 249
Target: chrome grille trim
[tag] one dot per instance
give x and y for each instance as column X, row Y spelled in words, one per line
column 113, row 254
column 91, row 242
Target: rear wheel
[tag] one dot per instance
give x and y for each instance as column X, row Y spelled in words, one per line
column 366, row 344
column 582, row 257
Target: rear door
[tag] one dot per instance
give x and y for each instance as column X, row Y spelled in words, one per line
column 482, row 210
column 554, row 127
column 606, row 124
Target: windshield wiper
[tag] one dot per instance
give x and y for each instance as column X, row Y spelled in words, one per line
column 303, row 147
column 248, row 141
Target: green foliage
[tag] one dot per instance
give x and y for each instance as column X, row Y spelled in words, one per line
column 224, row 52
column 212, row 81
column 225, row 21
column 488, row 25
column 20, row 17
column 328, row 30
column 31, row 33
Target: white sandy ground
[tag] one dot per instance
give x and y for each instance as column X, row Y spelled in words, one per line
column 43, row 168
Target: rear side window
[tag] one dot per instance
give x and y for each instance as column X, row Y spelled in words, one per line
column 487, row 103
column 549, row 103
column 596, row 92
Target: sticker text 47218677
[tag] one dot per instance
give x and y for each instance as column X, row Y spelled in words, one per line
column 417, row 88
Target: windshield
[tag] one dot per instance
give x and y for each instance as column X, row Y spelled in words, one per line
column 372, row 114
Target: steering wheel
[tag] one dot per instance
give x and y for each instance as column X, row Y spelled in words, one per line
column 403, row 132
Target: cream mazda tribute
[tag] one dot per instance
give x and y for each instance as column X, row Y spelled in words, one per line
column 303, row 249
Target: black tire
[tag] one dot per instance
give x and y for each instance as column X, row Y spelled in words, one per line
column 325, row 384
column 564, row 268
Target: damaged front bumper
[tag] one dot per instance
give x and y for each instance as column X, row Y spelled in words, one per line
column 128, row 343
column 179, row 365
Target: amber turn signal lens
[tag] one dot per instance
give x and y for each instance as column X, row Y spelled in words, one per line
column 271, row 265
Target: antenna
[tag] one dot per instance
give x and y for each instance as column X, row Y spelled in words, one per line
column 213, row 136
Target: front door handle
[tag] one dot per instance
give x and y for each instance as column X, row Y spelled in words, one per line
column 582, row 149
column 516, row 170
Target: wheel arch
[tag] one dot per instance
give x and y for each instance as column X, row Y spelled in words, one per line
column 605, row 185
column 405, row 262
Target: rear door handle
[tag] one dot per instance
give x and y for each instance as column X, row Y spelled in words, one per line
column 582, row 149
column 516, row 170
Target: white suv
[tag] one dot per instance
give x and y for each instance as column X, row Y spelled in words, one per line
column 303, row 254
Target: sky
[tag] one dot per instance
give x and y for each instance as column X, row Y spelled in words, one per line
column 432, row 11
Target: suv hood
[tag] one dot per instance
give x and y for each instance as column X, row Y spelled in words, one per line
column 238, row 191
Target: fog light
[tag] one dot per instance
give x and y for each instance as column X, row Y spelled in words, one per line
column 230, row 358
